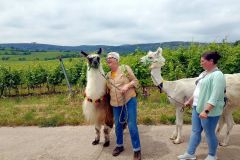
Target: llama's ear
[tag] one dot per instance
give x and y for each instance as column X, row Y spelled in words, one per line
column 99, row 51
column 159, row 51
column 84, row 53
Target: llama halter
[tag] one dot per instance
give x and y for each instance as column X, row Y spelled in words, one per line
column 94, row 101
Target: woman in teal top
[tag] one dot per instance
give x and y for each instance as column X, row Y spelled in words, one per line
column 208, row 103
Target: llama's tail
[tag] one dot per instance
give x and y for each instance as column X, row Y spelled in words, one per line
column 109, row 113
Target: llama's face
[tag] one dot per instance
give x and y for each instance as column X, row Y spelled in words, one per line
column 93, row 59
column 154, row 57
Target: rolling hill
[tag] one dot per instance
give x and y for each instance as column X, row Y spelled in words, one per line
column 123, row 49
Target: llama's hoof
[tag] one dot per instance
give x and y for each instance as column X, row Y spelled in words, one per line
column 177, row 141
column 173, row 138
column 222, row 144
column 95, row 142
column 106, row 144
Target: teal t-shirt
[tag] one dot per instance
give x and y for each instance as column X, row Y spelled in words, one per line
column 212, row 92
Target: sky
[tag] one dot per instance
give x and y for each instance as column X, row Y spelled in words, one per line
column 118, row 22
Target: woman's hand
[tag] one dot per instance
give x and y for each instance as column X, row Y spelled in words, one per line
column 207, row 109
column 187, row 104
column 125, row 88
column 203, row 115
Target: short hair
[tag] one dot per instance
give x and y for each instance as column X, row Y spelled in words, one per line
column 114, row 55
column 214, row 55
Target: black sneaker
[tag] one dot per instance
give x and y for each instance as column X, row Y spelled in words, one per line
column 106, row 144
column 117, row 151
column 137, row 155
column 95, row 142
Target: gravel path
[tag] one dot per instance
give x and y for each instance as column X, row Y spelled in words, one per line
column 74, row 143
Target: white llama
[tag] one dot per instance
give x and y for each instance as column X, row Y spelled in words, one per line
column 96, row 105
column 180, row 90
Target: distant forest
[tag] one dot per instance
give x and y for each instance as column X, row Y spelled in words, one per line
column 25, row 48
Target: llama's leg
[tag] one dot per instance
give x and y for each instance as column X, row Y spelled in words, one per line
column 179, row 123
column 106, row 131
column 230, row 123
column 220, row 125
column 98, row 131
column 174, row 134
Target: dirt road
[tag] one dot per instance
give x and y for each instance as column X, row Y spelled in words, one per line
column 74, row 143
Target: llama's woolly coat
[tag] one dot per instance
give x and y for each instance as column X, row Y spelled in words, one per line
column 100, row 112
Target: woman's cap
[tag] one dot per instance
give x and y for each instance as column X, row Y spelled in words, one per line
column 114, row 55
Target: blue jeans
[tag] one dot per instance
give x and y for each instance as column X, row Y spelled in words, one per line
column 209, row 126
column 129, row 112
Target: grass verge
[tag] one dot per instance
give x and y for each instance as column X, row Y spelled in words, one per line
column 58, row 110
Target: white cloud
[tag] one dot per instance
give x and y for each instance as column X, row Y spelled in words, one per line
column 115, row 22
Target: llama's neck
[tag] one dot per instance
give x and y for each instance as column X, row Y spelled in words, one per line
column 156, row 76
column 96, row 83
column 168, row 86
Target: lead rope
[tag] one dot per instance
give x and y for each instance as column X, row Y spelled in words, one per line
column 124, row 101
column 182, row 109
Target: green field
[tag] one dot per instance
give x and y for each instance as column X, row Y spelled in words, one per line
column 46, row 64
column 33, row 56
column 18, row 55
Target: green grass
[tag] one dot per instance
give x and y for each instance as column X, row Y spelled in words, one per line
column 50, row 110
column 236, row 116
column 58, row 110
